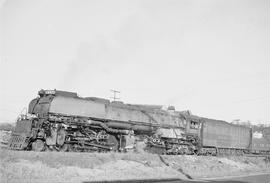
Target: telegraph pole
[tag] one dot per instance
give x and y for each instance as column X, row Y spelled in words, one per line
column 114, row 95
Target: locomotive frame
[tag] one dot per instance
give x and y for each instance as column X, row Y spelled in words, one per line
column 62, row 121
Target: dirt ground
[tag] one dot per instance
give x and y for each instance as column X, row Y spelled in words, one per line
column 78, row 167
column 24, row 166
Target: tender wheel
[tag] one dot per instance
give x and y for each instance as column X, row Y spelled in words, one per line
column 38, row 145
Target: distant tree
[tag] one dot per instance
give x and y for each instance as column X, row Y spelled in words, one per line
column 242, row 123
column 266, row 133
column 236, row 121
column 7, row 126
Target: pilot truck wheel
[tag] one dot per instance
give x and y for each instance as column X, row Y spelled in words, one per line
column 38, row 145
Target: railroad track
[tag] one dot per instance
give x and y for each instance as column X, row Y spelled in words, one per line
column 257, row 155
column 168, row 180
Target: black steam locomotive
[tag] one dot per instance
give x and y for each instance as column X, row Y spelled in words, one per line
column 62, row 121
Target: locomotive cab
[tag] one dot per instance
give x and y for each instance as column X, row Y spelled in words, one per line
column 193, row 130
column 193, row 125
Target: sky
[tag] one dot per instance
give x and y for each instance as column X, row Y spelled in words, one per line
column 211, row 57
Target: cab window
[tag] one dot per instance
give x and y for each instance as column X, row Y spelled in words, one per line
column 194, row 125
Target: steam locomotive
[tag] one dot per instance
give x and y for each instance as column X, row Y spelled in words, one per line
column 63, row 121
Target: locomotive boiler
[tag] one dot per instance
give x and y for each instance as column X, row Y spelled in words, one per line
column 63, row 121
